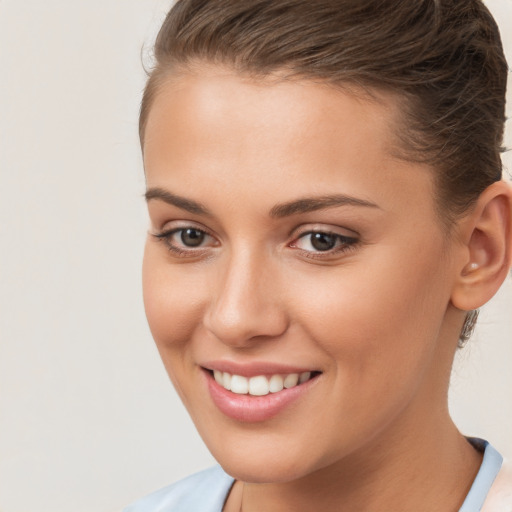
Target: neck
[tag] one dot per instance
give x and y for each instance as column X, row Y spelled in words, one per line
column 433, row 472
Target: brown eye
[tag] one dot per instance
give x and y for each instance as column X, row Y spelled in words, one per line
column 192, row 237
column 318, row 242
column 322, row 241
column 186, row 241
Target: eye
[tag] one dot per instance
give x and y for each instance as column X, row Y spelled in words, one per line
column 186, row 241
column 323, row 242
column 191, row 237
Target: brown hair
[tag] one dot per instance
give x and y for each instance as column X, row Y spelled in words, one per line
column 442, row 58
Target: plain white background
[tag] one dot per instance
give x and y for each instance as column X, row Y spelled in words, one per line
column 88, row 419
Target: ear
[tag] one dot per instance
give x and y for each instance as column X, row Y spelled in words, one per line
column 486, row 251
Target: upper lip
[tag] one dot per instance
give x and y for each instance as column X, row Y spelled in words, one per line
column 254, row 368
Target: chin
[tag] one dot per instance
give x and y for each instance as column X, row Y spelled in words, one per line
column 266, row 460
column 268, row 471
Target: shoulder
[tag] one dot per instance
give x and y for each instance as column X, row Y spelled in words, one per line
column 205, row 491
column 499, row 498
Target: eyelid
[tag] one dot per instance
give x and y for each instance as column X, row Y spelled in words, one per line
column 167, row 228
column 344, row 243
column 165, row 235
column 330, row 229
column 348, row 239
column 175, row 224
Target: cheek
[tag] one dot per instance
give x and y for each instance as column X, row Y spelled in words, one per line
column 379, row 330
column 377, row 315
column 172, row 300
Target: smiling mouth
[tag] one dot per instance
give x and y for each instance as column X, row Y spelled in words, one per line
column 261, row 385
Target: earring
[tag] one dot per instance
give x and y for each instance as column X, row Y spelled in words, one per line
column 468, row 327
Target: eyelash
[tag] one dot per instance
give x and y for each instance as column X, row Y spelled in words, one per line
column 343, row 243
column 166, row 237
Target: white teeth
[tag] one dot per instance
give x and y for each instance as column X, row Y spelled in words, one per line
column 276, row 383
column 259, row 385
column 291, row 380
column 239, row 384
column 226, row 380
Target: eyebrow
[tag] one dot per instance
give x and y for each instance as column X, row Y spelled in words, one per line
column 181, row 202
column 311, row 204
column 302, row 205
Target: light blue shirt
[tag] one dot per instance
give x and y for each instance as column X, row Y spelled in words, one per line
column 491, row 464
column 207, row 491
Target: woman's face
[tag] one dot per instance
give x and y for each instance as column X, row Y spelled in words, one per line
column 285, row 239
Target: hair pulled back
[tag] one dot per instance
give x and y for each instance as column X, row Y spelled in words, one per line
column 442, row 59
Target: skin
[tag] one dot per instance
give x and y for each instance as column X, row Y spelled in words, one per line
column 378, row 317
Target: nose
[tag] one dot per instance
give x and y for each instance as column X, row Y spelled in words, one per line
column 245, row 302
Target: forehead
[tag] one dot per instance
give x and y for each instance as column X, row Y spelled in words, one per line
column 276, row 135
column 216, row 95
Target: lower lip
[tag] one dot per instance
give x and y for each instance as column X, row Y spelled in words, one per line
column 251, row 409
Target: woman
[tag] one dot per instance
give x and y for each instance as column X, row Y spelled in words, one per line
column 327, row 215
